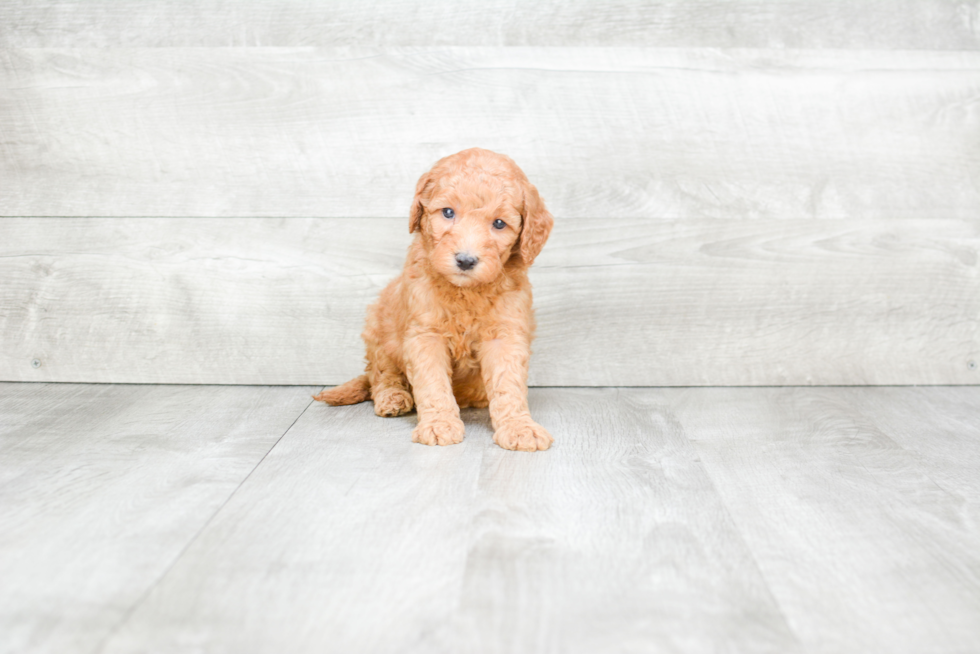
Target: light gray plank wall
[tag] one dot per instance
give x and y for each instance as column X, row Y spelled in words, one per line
column 697, row 302
column 863, row 549
column 102, row 487
column 885, row 24
column 881, row 132
column 350, row 538
column 604, row 132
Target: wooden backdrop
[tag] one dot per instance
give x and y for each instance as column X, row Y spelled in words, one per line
column 753, row 192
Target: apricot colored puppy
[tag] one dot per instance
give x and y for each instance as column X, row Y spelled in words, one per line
column 455, row 328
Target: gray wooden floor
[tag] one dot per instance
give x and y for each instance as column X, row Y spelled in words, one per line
column 246, row 519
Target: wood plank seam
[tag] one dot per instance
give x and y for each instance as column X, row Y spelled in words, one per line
column 149, row 590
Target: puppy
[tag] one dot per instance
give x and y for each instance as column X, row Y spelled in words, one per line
column 455, row 328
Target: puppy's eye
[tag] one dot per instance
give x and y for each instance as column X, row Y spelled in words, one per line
column 448, row 213
column 499, row 224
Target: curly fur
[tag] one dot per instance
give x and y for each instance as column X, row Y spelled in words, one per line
column 443, row 337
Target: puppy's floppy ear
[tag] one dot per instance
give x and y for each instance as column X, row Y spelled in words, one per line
column 418, row 209
column 536, row 226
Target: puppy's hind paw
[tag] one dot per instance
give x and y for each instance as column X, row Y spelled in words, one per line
column 392, row 402
column 526, row 436
column 439, row 432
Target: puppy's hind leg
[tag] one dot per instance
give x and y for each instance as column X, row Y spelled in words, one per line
column 389, row 388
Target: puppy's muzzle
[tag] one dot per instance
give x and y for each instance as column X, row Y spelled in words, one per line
column 465, row 261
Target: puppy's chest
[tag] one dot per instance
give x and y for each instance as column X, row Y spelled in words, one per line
column 465, row 332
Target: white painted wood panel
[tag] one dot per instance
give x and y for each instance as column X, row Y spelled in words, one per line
column 885, row 24
column 619, row 302
column 863, row 549
column 349, row 538
column 101, row 489
column 603, row 132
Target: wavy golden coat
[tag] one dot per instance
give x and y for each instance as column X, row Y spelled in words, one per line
column 455, row 328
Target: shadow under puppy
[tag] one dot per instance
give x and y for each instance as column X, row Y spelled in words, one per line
column 455, row 328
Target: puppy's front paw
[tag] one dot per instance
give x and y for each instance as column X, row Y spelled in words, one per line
column 441, row 431
column 392, row 402
column 527, row 436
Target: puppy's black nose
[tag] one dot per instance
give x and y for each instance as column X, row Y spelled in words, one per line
column 465, row 261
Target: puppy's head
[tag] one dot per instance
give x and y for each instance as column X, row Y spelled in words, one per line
column 477, row 212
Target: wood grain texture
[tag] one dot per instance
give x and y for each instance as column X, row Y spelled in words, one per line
column 940, row 427
column 820, row 520
column 863, row 549
column 613, row 541
column 604, row 132
column 282, row 301
column 102, row 487
column 351, row 538
column 348, row 538
column 885, row 24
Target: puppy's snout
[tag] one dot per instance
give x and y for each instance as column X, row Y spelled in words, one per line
column 465, row 261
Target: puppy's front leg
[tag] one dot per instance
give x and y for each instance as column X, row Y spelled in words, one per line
column 503, row 363
column 429, row 372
